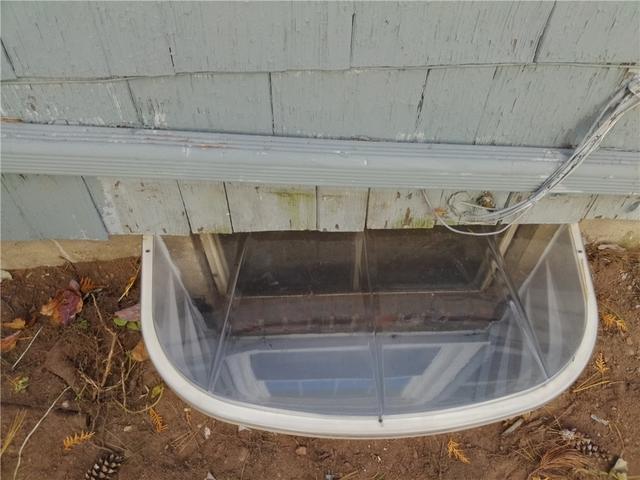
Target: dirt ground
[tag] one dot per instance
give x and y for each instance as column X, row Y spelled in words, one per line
column 193, row 446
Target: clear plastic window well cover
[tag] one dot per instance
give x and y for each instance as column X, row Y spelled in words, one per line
column 377, row 334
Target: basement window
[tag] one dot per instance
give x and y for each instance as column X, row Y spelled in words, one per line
column 377, row 334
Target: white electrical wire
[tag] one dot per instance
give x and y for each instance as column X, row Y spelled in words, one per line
column 442, row 221
column 621, row 102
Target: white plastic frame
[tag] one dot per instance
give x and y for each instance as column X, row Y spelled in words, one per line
column 401, row 425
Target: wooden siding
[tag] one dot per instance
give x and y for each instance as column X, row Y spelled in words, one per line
column 367, row 103
column 6, row 68
column 504, row 73
column 447, row 33
column 43, row 206
column 94, row 103
column 139, row 206
column 592, row 32
column 96, row 207
column 223, row 102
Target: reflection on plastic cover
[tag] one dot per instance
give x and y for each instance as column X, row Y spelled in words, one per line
column 379, row 324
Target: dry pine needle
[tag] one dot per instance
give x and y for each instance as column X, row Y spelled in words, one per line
column 76, row 439
column 157, row 420
column 455, row 451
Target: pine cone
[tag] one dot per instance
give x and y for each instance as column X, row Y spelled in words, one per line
column 579, row 441
column 106, row 466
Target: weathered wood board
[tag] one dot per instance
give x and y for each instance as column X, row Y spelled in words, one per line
column 14, row 224
column 256, row 36
column 87, row 39
column 407, row 208
column 6, row 67
column 45, row 206
column 444, row 33
column 615, row 207
column 398, row 208
column 82, row 103
column 271, row 207
column 103, row 39
column 206, row 206
column 220, row 102
column 355, row 103
column 554, row 208
column 626, row 133
column 545, row 105
column 454, row 100
column 139, row 206
column 592, row 32
column 341, row 210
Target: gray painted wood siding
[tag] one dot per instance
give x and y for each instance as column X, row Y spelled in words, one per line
column 447, row 33
column 544, row 105
column 139, row 206
column 6, row 69
column 269, row 36
column 534, row 105
column 271, row 207
column 592, row 32
column 43, row 206
column 103, row 39
column 504, row 73
column 224, row 102
column 86, row 39
column 80, row 103
column 353, row 104
column 206, row 206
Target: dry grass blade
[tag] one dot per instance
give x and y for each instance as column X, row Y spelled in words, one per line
column 130, row 283
column 15, row 426
column 558, row 462
column 26, row 440
column 157, row 420
column 591, row 385
column 76, row 439
column 455, row 451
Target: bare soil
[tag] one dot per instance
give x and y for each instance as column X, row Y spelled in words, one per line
column 193, row 445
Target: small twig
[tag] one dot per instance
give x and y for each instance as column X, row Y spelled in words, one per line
column 145, row 409
column 13, row 367
column 114, row 338
column 124, row 389
column 15, row 471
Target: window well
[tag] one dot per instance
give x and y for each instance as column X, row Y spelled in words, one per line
column 375, row 334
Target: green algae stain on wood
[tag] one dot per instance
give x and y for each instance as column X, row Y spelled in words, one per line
column 271, row 207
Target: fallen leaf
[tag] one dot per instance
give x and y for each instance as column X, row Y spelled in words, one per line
column 119, row 322
column 157, row 390
column 9, row 343
column 65, row 305
column 139, row 352
column 130, row 314
column 15, row 324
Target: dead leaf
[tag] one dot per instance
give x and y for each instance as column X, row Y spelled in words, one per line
column 15, row 324
column 139, row 352
column 130, row 314
column 65, row 305
column 9, row 343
